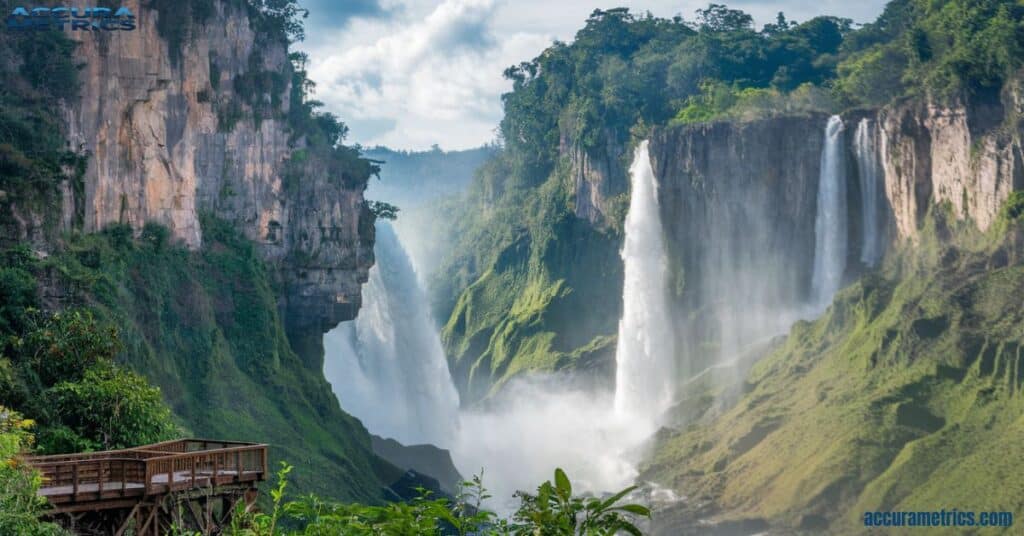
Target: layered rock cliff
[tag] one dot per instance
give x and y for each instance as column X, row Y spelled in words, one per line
column 969, row 157
column 178, row 126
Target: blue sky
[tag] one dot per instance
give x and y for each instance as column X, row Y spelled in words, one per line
column 411, row 73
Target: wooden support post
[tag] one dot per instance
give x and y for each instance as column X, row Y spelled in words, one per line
column 99, row 480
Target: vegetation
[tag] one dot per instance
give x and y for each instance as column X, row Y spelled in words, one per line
column 945, row 49
column 20, row 507
column 34, row 158
column 553, row 511
column 59, row 370
column 205, row 328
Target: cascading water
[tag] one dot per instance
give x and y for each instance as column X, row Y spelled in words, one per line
column 868, row 169
column 830, row 224
column 645, row 369
column 387, row 367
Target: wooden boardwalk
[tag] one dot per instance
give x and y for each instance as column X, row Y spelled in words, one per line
column 193, row 483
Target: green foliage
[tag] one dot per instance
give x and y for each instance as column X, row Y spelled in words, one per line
column 1013, row 208
column 176, row 21
column 943, row 48
column 281, row 18
column 380, row 209
column 622, row 69
column 18, row 295
column 63, row 346
column 554, row 511
column 720, row 102
column 114, row 405
column 204, row 327
column 59, row 369
column 20, row 507
column 38, row 73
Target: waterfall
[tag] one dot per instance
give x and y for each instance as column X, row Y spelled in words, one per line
column 868, row 169
column 387, row 367
column 645, row 370
column 830, row 224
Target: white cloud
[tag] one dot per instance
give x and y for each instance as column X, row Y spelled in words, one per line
column 429, row 71
column 436, row 75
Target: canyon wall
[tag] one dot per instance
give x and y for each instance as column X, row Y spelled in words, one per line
column 192, row 120
column 969, row 157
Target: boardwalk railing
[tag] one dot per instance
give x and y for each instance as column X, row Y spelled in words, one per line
column 149, row 470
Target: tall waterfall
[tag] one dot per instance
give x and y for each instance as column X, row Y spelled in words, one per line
column 830, row 224
column 387, row 367
column 645, row 371
column 868, row 169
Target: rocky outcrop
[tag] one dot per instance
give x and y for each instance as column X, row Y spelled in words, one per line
column 969, row 157
column 598, row 175
column 173, row 131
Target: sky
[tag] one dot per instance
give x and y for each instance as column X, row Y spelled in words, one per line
column 412, row 73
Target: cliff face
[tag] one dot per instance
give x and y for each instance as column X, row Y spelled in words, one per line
column 937, row 154
column 173, row 132
column 598, row 176
column 738, row 205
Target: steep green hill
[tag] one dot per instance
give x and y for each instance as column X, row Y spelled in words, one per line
column 204, row 326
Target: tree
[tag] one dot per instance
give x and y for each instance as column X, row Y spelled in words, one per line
column 114, row 407
column 62, row 346
column 718, row 18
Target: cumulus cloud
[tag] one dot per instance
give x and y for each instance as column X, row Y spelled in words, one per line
column 411, row 73
column 425, row 75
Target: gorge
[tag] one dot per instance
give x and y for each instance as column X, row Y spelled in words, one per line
column 772, row 276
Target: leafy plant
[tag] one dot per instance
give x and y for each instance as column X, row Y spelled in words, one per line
column 115, row 406
column 20, row 506
column 553, row 511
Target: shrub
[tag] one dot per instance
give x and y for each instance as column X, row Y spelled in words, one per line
column 20, row 506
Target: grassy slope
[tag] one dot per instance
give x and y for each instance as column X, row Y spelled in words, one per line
column 541, row 303
column 204, row 327
column 905, row 395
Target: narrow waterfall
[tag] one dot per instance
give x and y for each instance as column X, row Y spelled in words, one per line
column 387, row 367
column 645, row 369
column 868, row 169
column 830, row 224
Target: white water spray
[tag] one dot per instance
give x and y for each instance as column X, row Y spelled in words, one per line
column 869, row 172
column 537, row 424
column 830, row 224
column 387, row 367
column 644, row 358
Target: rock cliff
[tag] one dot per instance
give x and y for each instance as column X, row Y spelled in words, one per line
column 738, row 204
column 969, row 157
column 177, row 126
